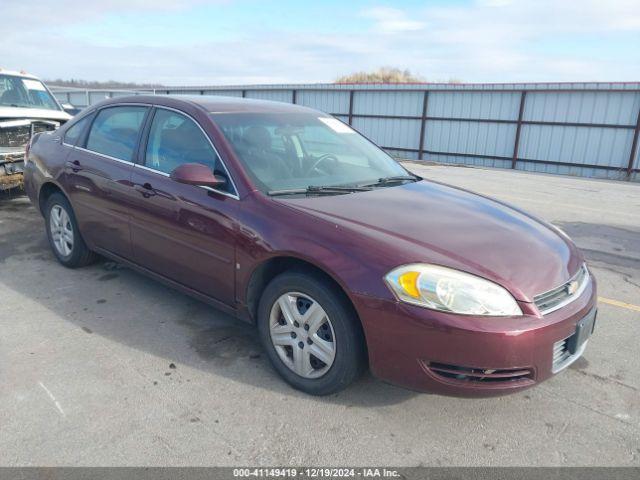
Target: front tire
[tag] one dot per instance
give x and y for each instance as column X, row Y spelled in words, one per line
column 311, row 334
column 63, row 233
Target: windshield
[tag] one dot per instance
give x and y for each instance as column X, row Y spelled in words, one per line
column 298, row 150
column 25, row 93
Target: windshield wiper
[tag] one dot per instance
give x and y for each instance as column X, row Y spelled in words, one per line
column 320, row 190
column 398, row 178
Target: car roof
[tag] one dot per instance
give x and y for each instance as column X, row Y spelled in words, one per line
column 17, row 74
column 215, row 104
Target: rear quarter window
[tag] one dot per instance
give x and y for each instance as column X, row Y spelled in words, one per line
column 73, row 133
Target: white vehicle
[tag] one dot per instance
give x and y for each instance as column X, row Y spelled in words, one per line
column 26, row 107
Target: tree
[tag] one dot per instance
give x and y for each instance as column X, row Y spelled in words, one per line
column 78, row 83
column 381, row 75
column 389, row 75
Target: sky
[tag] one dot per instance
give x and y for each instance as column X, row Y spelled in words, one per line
column 224, row 42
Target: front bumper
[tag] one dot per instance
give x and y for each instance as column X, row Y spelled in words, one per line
column 15, row 135
column 436, row 352
column 11, row 170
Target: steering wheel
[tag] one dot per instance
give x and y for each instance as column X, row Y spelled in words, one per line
column 322, row 158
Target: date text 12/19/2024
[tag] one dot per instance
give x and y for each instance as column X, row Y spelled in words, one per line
column 316, row 472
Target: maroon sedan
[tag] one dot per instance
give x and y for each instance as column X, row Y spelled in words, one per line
column 287, row 218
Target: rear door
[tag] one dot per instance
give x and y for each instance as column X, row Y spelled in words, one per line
column 183, row 232
column 98, row 176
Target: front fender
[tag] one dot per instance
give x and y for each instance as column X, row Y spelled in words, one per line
column 269, row 230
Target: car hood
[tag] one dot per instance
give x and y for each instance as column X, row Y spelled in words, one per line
column 435, row 223
column 33, row 113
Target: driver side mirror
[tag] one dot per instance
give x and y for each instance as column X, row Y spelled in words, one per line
column 197, row 174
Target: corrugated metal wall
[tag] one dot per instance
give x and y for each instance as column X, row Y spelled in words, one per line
column 583, row 129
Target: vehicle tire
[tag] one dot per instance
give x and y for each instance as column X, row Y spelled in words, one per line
column 63, row 233
column 311, row 334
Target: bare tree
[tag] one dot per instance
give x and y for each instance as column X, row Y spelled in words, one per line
column 73, row 82
column 381, row 75
column 388, row 75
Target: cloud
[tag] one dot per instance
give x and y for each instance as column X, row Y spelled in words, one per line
column 16, row 16
column 485, row 40
column 495, row 3
column 392, row 20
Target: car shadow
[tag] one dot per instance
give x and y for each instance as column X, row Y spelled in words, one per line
column 123, row 306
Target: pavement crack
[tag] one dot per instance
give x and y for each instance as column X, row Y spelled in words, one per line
column 594, row 410
column 606, row 379
column 627, row 278
column 609, row 258
column 220, row 340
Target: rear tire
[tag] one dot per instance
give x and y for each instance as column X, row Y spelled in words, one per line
column 310, row 333
column 63, row 233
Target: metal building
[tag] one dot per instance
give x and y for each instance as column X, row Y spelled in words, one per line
column 582, row 129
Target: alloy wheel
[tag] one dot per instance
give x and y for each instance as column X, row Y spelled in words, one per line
column 61, row 230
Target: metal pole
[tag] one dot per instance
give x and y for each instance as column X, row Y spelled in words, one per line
column 294, row 94
column 516, row 143
column 634, row 147
column 351, row 107
column 423, row 122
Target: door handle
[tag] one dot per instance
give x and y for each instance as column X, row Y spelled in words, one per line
column 74, row 166
column 146, row 189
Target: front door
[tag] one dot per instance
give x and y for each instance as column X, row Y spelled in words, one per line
column 183, row 232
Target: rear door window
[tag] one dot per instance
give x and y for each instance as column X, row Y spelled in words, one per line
column 115, row 131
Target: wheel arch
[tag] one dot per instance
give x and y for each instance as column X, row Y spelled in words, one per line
column 273, row 266
column 46, row 190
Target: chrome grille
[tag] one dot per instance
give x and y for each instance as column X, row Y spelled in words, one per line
column 560, row 352
column 17, row 156
column 17, row 133
column 43, row 126
column 560, row 296
column 15, row 136
column 562, row 357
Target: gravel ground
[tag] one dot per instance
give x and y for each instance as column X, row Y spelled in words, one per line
column 102, row 366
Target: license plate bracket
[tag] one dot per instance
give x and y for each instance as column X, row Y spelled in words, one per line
column 584, row 329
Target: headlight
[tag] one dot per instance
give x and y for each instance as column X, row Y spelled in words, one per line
column 448, row 290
